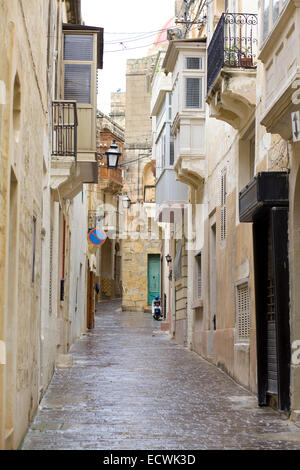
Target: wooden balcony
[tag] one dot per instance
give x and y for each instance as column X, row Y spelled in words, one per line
column 109, row 179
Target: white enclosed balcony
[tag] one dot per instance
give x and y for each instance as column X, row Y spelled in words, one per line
column 74, row 152
column 186, row 60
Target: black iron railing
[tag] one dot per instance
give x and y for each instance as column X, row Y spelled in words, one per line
column 64, row 128
column 234, row 44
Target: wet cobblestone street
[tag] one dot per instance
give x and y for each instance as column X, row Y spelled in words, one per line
column 131, row 387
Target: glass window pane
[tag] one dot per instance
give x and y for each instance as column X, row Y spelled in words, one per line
column 266, row 25
column 171, row 148
column 77, row 84
column 275, row 10
column 193, row 63
column 78, row 47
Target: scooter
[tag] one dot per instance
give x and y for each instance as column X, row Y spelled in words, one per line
column 156, row 309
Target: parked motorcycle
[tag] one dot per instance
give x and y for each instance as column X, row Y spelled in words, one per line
column 156, row 309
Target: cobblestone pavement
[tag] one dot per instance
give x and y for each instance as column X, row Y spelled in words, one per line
column 131, row 387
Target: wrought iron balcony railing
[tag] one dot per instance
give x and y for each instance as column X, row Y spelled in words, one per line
column 64, row 129
column 234, row 44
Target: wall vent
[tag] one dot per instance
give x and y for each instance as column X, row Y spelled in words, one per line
column 243, row 315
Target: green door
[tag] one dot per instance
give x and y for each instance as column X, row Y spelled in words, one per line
column 153, row 277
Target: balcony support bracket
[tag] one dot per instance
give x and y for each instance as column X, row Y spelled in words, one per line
column 232, row 98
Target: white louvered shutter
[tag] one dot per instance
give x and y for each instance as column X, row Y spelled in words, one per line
column 193, row 98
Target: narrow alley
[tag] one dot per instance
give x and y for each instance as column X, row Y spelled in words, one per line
column 132, row 387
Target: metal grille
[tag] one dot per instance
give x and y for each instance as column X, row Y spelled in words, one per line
column 223, row 204
column 64, row 128
column 272, row 344
column 243, row 316
column 193, row 97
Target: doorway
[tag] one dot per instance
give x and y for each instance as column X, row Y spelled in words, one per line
column 153, row 277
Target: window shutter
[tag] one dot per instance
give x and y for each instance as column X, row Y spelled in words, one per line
column 177, row 262
column 193, row 93
column 78, row 83
column 171, row 148
column 51, row 271
column 78, row 47
column 193, row 63
column 243, row 317
column 223, row 204
column 198, row 277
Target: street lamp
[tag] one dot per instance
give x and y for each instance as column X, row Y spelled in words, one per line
column 168, row 259
column 126, row 201
column 112, row 156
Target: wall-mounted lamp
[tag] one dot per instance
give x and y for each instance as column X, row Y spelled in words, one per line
column 126, row 201
column 169, row 259
column 113, row 155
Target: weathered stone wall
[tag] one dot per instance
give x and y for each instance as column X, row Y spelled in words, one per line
column 137, row 242
column 24, row 122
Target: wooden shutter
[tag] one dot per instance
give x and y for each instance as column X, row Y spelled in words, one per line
column 223, row 204
column 198, row 277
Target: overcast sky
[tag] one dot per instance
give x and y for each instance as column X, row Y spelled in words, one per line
column 127, row 20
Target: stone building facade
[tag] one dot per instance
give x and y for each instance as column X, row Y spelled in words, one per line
column 117, row 107
column 43, row 209
column 232, row 101
column 109, row 191
column 141, row 247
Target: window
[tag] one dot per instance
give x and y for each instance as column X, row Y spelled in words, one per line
column 243, row 317
column 78, row 83
column 78, row 47
column 163, row 151
column 194, row 63
column 198, row 278
column 271, row 12
column 177, row 266
column 51, row 271
column 33, row 248
column 246, row 170
column 193, row 95
column 17, row 109
column 78, row 67
column 171, row 148
column 223, row 204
